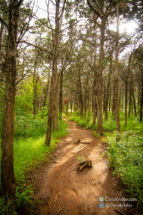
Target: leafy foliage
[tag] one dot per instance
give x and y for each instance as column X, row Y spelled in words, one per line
column 80, row 159
column 126, row 156
column 29, row 151
column 22, row 199
column 24, row 99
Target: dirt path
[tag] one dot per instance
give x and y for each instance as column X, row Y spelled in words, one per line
column 69, row 192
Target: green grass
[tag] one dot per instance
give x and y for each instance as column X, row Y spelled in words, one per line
column 126, row 156
column 110, row 124
column 29, row 151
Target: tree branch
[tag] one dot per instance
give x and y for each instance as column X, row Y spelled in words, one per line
column 2, row 88
column 64, row 60
column 19, row 3
column 3, row 22
column 30, row 44
column 26, row 73
column 93, row 9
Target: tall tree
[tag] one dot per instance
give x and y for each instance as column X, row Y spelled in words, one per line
column 116, row 73
column 7, row 160
column 102, row 10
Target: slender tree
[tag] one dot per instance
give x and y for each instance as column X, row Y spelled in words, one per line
column 7, row 160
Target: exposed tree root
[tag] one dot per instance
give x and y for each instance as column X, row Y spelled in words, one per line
column 87, row 163
column 119, row 212
column 60, row 210
column 77, row 141
column 85, row 143
column 55, row 200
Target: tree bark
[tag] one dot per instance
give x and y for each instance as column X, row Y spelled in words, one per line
column 61, row 95
column 7, row 159
column 46, row 92
column 99, row 82
column 67, row 108
column 130, row 100
column 94, row 99
column 108, row 88
column 53, row 89
column 80, row 96
column 113, row 102
column 55, row 104
column 126, row 93
column 134, row 103
column 1, row 33
column 141, row 100
column 34, row 91
column 71, row 104
column 116, row 75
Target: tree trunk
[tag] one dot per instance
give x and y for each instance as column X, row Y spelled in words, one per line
column 109, row 99
column 134, row 103
column 113, row 102
column 116, row 76
column 85, row 101
column 34, row 91
column 46, row 92
column 80, row 97
column 141, row 101
column 55, row 104
column 126, row 93
column 1, row 33
column 99, row 82
column 88, row 107
column 53, row 89
column 61, row 95
column 67, row 107
column 7, row 159
column 130, row 100
column 108, row 88
column 122, row 103
column 87, row 93
column 71, row 104
column 94, row 99
column 104, row 97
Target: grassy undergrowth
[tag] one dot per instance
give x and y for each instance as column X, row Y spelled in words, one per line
column 29, row 151
column 126, row 156
column 110, row 124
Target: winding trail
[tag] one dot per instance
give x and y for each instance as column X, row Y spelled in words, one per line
column 66, row 191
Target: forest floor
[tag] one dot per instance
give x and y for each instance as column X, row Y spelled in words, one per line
column 66, row 191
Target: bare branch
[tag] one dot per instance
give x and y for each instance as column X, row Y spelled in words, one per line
column 63, row 8
column 64, row 60
column 1, row 20
column 93, row 9
column 19, row 3
column 30, row 44
column 27, row 72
